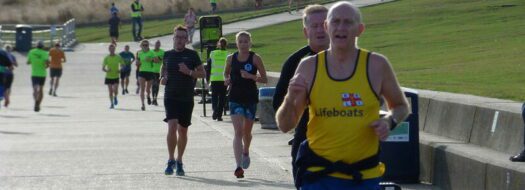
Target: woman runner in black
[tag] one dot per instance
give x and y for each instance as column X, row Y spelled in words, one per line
column 240, row 74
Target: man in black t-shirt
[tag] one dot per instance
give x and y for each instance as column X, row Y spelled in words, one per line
column 313, row 19
column 114, row 24
column 180, row 68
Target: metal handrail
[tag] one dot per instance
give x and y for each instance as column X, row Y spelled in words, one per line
column 65, row 34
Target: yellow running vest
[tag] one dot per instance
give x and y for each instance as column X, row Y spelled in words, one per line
column 218, row 60
column 340, row 114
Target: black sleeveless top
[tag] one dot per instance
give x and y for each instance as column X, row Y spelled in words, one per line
column 243, row 91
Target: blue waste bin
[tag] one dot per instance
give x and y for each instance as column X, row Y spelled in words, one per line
column 400, row 152
column 24, row 37
column 265, row 108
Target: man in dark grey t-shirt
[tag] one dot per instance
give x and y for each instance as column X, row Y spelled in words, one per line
column 114, row 24
column 180, row 68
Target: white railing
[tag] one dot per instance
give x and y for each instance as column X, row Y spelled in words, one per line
column 49, row 34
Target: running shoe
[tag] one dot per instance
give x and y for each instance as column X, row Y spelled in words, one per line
column 179, row 169
column 149, row 101
column 50, row 91
column 169, row 168
column 111, row 106
column 239, row 172
column 115, row 101
column 245, row 161
column 154, row 102
column 123, row 92
column 143, row 108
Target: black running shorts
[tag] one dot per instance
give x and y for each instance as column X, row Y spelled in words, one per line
column 8, row 80
column 146, row 75
column 111, row 81
column 55, row 72
column 180, row 110
column 38, row 80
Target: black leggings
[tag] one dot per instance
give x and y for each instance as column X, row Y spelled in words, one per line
column 523, row 117
column 218, row 97
column 155, row 86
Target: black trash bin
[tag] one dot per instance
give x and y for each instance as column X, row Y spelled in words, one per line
column 400, row 152
column 24, row 37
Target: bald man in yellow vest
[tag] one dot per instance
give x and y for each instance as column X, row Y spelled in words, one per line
column 342, row 88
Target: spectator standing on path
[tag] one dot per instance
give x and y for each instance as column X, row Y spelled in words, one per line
column 258, row 4
column 521, row 156
column 190, row 19
column 157, row 63
column 213, row 4
column 136, row 16
column 128, row 58
column 290, row 2
column 55, row 70
column 243, row 69
column 38, row 58
column 8, row 74
column 113, row 9
column 216, row 65
column 342, row 87
column 111, row 65
column 145, row 62
column 180, row 68
column 313, row 21
column 114, row 25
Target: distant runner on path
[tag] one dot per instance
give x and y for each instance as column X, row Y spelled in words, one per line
column 111, row 65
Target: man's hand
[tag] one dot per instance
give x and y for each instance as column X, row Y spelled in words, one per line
column 184, row 69
column 297, row 88
column 289, row 113
column 381, row 128
column 163, row 80
column 227, row 82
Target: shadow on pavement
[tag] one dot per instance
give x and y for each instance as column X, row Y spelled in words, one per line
column 246, row 182
column 55, row 115
column 14, row 133
column 12, row 116
column 126, row 109
column 54, row 107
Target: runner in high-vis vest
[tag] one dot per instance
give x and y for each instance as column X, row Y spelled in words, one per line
column 342, row 87
column 218, row 90
column 136, row 17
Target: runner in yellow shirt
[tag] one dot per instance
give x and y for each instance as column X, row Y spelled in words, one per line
column 342, row 87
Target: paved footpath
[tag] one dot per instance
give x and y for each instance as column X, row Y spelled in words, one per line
column 77, row 142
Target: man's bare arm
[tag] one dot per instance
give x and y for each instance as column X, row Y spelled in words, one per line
column 391, row 91
column 296, row 99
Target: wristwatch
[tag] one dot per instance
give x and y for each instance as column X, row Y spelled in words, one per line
column 393, row 123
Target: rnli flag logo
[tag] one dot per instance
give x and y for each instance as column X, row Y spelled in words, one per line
column 351, row 99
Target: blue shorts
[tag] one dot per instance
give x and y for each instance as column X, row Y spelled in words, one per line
column 247, row 111
column 329, row 182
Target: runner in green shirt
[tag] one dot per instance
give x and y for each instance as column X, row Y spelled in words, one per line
column 111, row 65
column 145, row 58
column 38, row 58
column 157, row 64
